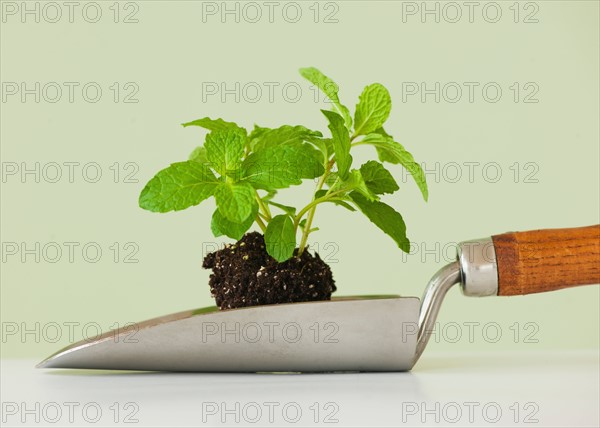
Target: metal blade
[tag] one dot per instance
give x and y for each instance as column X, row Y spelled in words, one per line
column 371, row 333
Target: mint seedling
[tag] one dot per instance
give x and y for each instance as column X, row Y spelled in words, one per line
column 243, row 171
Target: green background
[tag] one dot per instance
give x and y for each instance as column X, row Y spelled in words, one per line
column 170, row 53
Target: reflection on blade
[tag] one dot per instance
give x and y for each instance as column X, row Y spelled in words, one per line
column 370, row 333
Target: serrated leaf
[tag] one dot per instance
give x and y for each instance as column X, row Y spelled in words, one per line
column 384, row 217
column 341, row 142
column 236, row 201
column 337, row 201
column 280, row 238
column 372, row 110
column 377, row 178
column 177, row 187
column 214, row 125
column 393, row 152
column 220, row 225
column 329, row 88
column 281, row 166
column 286, row 209
column 199, row 155
column 224, row 150
column 286, row 134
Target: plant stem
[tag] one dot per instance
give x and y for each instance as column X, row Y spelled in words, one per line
column 311, row 210
column 261, row 223
column 306, row 231
column 263, row 208
column 314, row 203
column 332, row 186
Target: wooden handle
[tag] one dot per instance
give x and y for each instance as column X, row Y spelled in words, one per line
column 546, row 260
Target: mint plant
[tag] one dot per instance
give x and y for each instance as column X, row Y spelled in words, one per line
column 244, row 171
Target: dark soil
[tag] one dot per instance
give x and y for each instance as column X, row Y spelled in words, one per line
column 245, row 275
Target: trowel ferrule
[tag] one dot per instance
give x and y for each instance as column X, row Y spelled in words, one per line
column 478, row 267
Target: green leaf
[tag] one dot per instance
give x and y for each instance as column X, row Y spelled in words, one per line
column 270, row 195
column 178, row 187
column 199, row 155
column 355, row 182
column 286, row 209
column 341, row 201
column 372, row 110
column 255, row 134
column 224, row 149
column 280, row 237
column 341, row 142
column 393, row 152
column 329, row 88
column 281, row 166
column 236, row 201
column 377, row 178
column 384, row 217
column 325, row 145
column 220, row 225
column 214, row 125
column 285, row 134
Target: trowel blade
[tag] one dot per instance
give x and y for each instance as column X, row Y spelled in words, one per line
column 367, row 333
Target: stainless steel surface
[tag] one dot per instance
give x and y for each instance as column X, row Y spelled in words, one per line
column 351, row 334
column 433, row 297
column 478, row 268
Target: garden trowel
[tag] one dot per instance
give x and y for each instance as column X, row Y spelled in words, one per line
column 364, row 333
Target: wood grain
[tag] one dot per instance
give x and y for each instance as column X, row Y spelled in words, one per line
column 546, row 260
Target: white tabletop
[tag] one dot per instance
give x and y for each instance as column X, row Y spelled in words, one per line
column 477, row 389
